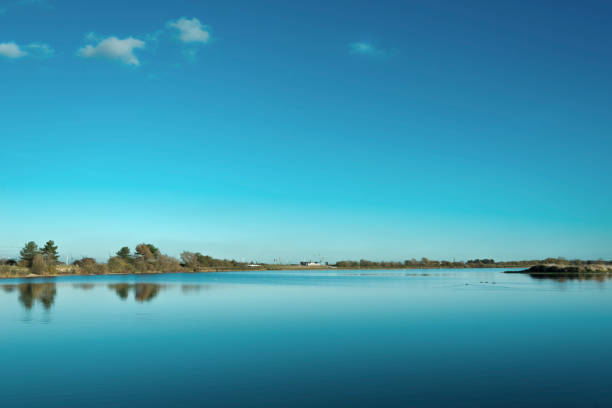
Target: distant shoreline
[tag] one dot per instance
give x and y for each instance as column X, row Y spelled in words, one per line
column 147, row 259
column 35, row 261
column 260, row 269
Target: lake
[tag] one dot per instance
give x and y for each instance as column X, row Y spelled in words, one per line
column 409, row 338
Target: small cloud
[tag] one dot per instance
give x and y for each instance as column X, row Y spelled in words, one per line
column 191, row 30
column 14, row 51
column 91, row 36
column 40, row 50
column 367, row 49
column 11, row 50
column 113, row 48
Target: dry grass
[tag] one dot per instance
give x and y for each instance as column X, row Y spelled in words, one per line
column 9, row 271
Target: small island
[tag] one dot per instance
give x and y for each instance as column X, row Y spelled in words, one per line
column 590, row 270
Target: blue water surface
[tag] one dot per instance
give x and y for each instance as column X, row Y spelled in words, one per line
column 409, row 338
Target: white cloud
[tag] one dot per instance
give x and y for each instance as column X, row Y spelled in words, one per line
column 40, row 50
column 11, row 50
column 368, row 50
column 361, row 48
column 113, row 48
column 191, row 30
column 14, row 51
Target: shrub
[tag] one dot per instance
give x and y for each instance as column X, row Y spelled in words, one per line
column 39, row 266
column 118, row 265
column 84, row 261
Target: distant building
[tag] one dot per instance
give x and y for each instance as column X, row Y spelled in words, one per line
column 310, row 263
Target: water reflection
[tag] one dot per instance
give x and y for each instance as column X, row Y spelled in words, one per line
column 84, row 286
column 194, row 288
column 29, row 293
column 565, row 277
column 45, row 293
column 122, row 289
column 143, row 292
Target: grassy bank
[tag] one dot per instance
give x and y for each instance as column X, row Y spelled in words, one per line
column 9, row 271
column 91, row 269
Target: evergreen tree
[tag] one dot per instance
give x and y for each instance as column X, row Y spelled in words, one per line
column 29, row 251
column 154, row 250
column 147, row 252
column 124, row 253
column 49, row 252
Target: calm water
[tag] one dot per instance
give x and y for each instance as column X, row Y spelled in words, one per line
column 344, row 338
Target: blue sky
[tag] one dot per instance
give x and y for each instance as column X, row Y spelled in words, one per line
column 349, row 129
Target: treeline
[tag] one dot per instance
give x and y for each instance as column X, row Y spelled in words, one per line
column 146, row 258
column 472, row 263
column 196, row 261
column 37, row 260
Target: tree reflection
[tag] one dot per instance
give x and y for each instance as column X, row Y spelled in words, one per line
column 193, row 288
column 143, row 292
column 45, row 293
column 29, row 293
column 84, row 286
column 122, row 289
